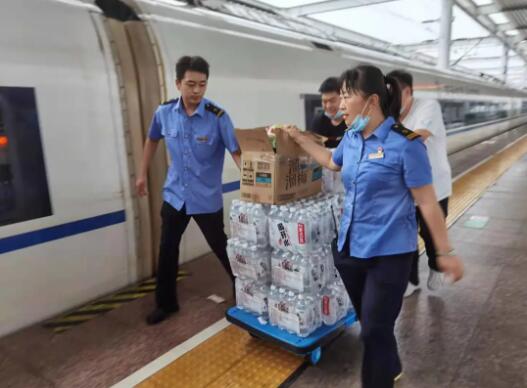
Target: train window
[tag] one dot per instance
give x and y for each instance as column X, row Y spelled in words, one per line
column 460, row 113
column 24, row 193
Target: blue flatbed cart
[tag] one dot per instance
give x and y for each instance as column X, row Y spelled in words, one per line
column 309, row 347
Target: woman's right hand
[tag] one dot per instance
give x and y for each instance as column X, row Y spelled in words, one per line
column 293, row 131
column 451, row 266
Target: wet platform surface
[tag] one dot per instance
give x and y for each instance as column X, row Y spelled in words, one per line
column 103, row 351
column 472, row 334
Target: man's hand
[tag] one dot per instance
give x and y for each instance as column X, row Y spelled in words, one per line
column 140, row 186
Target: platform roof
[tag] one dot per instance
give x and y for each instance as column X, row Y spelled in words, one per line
column 482, row 30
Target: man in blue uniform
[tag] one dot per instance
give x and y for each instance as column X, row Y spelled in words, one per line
column 196, row 133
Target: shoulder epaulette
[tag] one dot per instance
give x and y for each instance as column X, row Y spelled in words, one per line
column 410, row 135
column 172, row 101
column 214, row 109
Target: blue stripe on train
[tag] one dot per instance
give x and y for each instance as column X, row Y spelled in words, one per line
column 25, row 240
column 41, row 236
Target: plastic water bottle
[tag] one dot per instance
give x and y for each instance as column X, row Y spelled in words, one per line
column 283, row 228
column 303, row 232
column 262, row 294
column 238, row 286
column 272, row 300
column 314, row 302
column 329, row 306
column 305, row 316
column 304, row 266
column 280, row 306
column 291, row 320
column 259, row 223
column 318, row 272
column 274, row 235
column 233, row 217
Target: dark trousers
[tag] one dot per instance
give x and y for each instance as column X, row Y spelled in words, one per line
column 424, row 232
column 376, row 287
column 173, row 225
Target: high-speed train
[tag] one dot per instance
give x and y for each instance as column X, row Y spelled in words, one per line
column 79, row 81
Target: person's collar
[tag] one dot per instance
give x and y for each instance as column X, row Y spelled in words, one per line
column 381, row 132
column 200, row 111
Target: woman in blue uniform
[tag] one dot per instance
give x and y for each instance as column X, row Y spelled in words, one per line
column 385, row 170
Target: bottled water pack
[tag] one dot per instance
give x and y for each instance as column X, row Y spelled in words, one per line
column 296, row 313
column 303, row 225
column 249, row 260
column 252, row 296
column 288, row 246
column 248, row 221
column 302, row 273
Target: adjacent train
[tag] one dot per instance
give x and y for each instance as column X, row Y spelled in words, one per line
column 79, row 80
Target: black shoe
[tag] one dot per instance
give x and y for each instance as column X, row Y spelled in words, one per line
column 159, row 315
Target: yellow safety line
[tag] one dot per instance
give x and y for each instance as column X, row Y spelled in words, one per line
column 232, row 358
column 74, row 318
column 467, row 189
column 471, row 186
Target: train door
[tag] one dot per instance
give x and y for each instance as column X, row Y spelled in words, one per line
column 142, row 88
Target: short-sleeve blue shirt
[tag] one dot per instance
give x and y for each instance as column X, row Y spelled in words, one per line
column 377, row 173
column 196, row 145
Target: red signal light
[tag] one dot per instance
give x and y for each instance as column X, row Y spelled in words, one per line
column 4, row 141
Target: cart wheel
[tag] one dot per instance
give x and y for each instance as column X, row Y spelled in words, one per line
column 315, row 356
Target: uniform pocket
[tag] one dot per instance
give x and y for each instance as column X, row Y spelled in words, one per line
column 380, row 177
column 204, row 146
column 170, row 132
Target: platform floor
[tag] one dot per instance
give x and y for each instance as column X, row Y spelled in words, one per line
column 470, row 335
column 473, row 334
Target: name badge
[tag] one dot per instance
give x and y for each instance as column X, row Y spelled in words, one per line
column 202, row 139
column 377, row 155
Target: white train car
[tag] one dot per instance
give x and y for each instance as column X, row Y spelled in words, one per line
column 77, row 90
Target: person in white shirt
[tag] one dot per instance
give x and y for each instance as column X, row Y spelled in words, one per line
column 424, row 117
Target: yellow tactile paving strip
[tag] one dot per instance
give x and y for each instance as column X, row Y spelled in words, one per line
column 471, row 186
column 467, row 189
column 233, row 359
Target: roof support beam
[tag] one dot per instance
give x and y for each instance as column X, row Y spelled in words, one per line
column 505, row 63
column 494, row 8
column 496, row 30
column 330, row 5
column 445, row 34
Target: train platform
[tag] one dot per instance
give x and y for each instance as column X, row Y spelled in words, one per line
column 471, row 334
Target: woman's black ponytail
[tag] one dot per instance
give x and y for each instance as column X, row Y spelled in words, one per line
column 393, row 100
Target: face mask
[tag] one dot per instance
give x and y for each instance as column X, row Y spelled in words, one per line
column 336, row 116
column 360, row 122
column 403, row 108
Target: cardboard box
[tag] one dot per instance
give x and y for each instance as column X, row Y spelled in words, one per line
column 275, row 177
